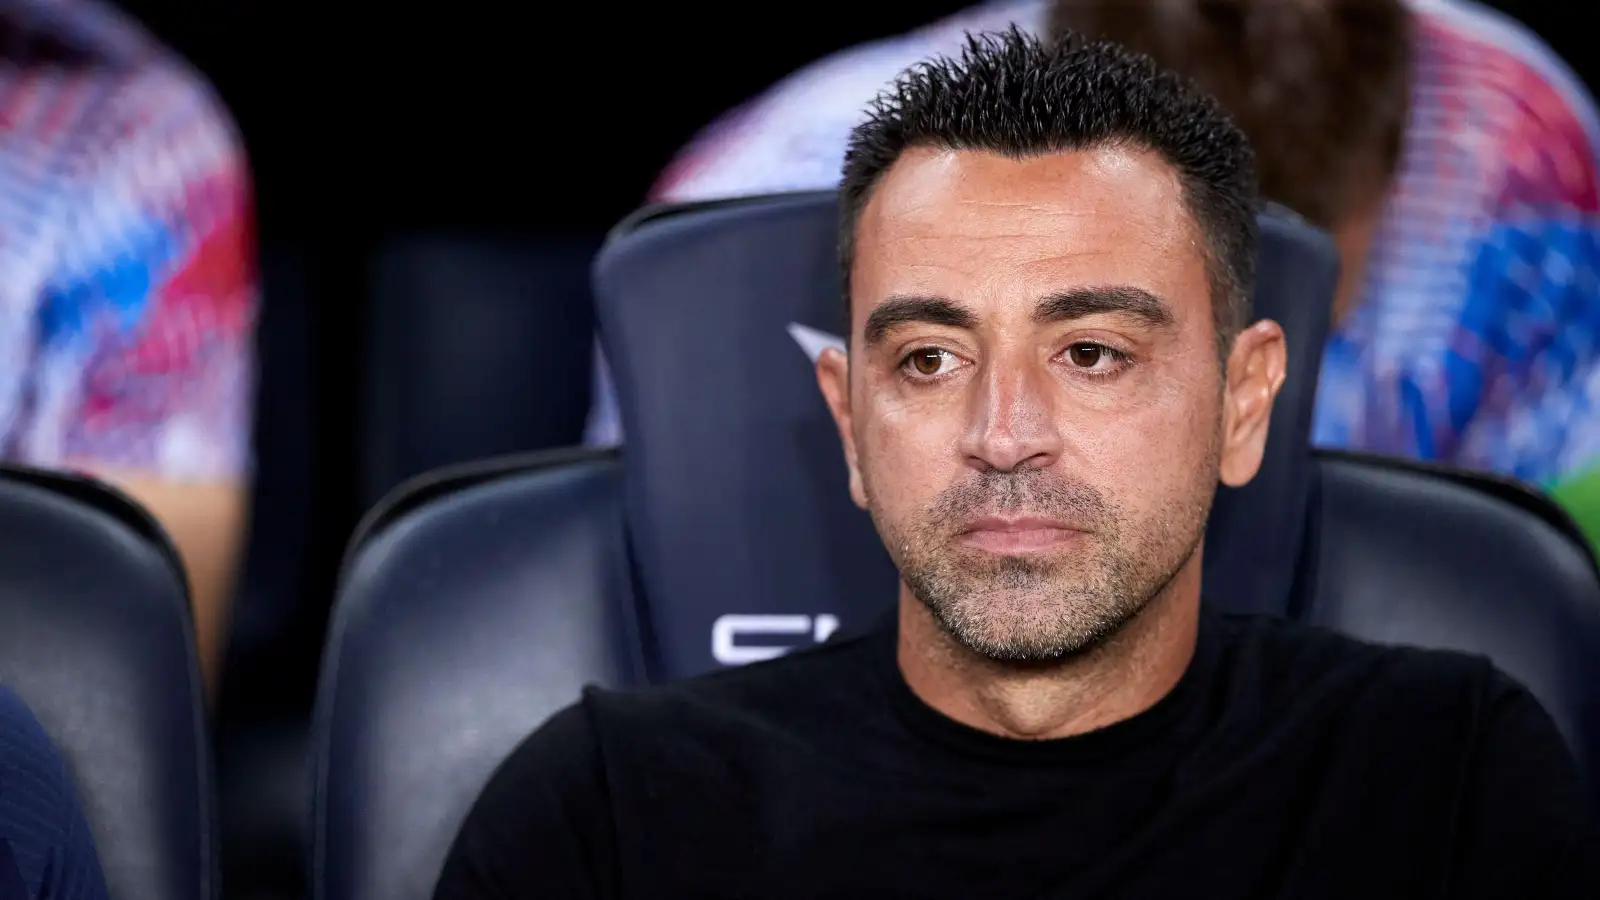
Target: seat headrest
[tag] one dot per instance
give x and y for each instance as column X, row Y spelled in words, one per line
column 744, row 535
column 1406, row 552
column 475, row 602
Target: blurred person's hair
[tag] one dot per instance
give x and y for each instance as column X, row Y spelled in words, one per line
column 1013, row 95
column 1321, row 87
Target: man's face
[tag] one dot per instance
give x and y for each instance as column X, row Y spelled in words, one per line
column 1033, row 408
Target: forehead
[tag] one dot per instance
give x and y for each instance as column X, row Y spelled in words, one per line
column 971, row 225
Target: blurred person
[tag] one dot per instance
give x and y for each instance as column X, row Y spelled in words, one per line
column 1451, row 153
column 1049, row 258
column 46, row 851
column 130, row 286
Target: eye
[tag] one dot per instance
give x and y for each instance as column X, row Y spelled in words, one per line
column 929, row 361
column 1095, row 359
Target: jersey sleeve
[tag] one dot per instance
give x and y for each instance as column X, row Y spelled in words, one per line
column 145, row 330
column 542, row 826
column 1535, row 301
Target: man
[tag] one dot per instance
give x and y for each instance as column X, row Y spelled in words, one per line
column 128, row 253
column 1450, row 152
column 46, row 851
column 1049, row 254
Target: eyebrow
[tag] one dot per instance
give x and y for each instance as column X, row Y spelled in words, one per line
column 1061, row 306
column 1119, row 299
column 901, row 310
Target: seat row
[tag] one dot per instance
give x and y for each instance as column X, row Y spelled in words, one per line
column 477, row 599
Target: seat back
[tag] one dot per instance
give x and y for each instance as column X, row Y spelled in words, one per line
column 474, row 603
column 478, row 346
column 744, row 535
column 1411, row 553
column 96, row 636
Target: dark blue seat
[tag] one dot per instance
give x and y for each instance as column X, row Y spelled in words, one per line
column 467, row 346
column 97, row 638
column 477, row 601
column 1410, row 553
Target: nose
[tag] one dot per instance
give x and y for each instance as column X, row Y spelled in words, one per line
column 1012, row 423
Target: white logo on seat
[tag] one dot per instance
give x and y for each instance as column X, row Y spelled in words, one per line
column 813, row 342
column 727, row 630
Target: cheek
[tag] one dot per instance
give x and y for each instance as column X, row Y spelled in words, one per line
column 906, row 447
column 1151, row 452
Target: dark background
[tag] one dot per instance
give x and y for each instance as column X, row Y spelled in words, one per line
column 553, row 116
column 543, row 116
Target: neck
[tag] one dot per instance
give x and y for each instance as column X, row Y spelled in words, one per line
column 1122, row 676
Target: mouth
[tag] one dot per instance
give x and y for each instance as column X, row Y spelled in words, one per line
column 1025, row 534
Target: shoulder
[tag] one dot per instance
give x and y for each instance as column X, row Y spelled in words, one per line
column 608, row 733
column 160, row 128
column 797, row 697
column 1467, row 46
column 577, row 744
column 154, row 189
column 144, row 162
column 562, row 747
column 135, row 131
column 793, row 136
column 559, row 786
column 1288, row 665
column 1486, row 78
column 118, row 96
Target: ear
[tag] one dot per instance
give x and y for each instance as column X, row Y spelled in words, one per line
column 1256, row 369
column 833, row 376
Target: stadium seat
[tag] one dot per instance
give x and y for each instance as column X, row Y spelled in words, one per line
column 1402, row 552
column 475, row 602
column 96, row 636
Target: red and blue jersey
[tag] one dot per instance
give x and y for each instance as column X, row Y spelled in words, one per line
column 128, row 280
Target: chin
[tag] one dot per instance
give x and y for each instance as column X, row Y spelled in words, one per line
column 1030, row 626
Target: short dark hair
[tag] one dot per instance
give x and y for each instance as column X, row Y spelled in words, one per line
column 1321, row 87
column 1011, row 94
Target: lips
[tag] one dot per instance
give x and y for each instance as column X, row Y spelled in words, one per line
column 1024, row 534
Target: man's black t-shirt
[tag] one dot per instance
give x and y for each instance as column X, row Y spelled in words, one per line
column 1287, row 763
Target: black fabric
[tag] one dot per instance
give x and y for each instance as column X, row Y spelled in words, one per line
column 1287, row 763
